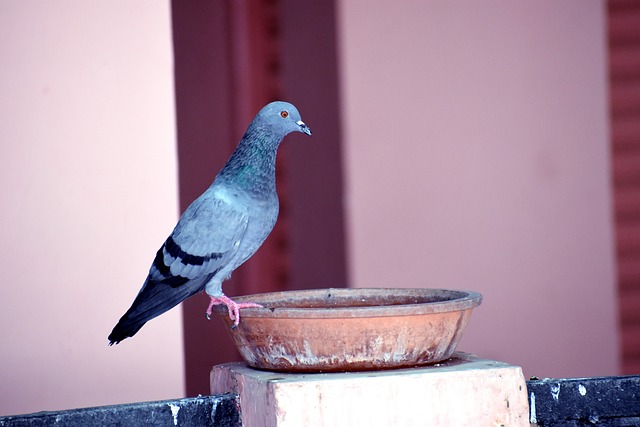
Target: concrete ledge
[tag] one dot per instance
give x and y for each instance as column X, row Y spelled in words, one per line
column 465, row 390
column 218, row 411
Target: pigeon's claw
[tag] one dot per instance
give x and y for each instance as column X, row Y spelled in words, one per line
column 232, row 306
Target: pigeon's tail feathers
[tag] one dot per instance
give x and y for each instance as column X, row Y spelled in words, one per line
column 124, row 329
column 153, row 300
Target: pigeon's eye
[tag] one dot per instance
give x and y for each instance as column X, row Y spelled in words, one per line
column 284, row 114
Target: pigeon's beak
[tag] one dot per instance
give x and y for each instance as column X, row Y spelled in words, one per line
column 303, row 128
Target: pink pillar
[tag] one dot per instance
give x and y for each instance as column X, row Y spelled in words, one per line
column 88, row 188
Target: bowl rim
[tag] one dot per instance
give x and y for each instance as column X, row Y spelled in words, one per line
column 463, row 300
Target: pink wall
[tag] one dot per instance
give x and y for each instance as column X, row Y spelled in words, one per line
column 477, row 157
column 88, row 187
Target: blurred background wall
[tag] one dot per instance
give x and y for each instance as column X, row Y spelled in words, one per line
column 88, row 192
column 455, row 145
column 477, row 156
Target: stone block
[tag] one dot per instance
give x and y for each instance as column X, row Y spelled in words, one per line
column 462, row 391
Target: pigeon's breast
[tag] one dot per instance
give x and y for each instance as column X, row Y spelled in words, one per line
column 262, row 217
column 262, row 213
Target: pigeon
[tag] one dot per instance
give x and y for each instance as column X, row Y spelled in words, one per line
column 221, row 229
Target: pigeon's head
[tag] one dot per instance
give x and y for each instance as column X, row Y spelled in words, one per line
column 283, row 118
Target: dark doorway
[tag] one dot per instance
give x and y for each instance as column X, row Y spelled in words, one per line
column 231, row 58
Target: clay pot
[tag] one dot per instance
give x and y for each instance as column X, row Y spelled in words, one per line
column 328, row 330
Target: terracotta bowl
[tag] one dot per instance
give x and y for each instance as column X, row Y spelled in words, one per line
column 328, row 330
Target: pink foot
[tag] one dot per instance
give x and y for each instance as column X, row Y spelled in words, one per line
column 232, row 306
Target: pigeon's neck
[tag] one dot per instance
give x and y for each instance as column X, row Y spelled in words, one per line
column 252, row 165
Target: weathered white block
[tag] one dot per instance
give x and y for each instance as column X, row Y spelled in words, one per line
column 464, row 391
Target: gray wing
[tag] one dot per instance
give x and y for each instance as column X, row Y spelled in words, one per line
column 206, row 237
column 204, row 240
